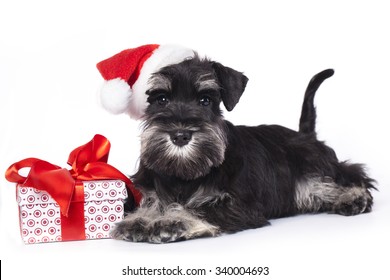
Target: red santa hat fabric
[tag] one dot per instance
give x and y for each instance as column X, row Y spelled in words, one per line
column 126, row 76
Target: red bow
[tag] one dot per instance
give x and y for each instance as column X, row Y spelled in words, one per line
column 89, row 162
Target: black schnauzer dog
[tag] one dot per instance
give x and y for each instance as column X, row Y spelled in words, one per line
column 202, row 176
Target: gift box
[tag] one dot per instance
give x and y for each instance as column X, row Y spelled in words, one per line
column 101, row 207
column 85, row 202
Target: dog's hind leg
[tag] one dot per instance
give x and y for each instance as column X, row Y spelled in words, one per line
column 346, row 192
column 324, row 195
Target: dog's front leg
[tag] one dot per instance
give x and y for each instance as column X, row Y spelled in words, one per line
column 177, row 224
column 155, row 223
column 135, row 226
column 233, row 218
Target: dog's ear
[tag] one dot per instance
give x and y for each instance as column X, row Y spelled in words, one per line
column 233, row 84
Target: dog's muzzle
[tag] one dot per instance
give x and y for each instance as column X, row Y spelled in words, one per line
column 183, row 150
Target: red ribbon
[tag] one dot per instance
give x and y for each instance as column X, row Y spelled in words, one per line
column 89, row 162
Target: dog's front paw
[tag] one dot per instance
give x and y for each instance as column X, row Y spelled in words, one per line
column 131, row 230
column 165, row 231
column 139, row 230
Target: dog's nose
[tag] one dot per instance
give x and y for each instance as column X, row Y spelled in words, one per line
column 181, row 137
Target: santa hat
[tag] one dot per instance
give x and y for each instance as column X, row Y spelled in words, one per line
column 126, row 76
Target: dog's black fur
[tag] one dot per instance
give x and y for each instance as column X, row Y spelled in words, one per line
column 202, row 176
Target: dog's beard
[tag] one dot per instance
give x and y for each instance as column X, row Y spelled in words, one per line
column 205, row 150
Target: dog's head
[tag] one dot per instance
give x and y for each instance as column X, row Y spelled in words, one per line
column 184, row 133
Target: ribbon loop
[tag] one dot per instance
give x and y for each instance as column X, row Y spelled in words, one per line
column 12, row 173
column 96, row 150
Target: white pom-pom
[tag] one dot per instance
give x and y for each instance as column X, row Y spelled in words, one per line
column 115, row 96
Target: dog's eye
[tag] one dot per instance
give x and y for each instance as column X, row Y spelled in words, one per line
column 205, row 101
column 162, row 100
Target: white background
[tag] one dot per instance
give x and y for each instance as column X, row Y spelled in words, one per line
column 48, row 106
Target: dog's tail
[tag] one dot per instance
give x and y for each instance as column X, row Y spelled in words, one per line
column 307, row 123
